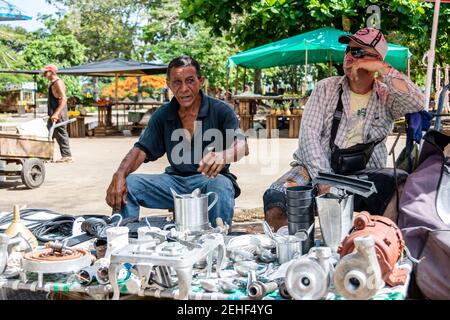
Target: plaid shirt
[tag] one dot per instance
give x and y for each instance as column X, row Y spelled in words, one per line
column 385, row 105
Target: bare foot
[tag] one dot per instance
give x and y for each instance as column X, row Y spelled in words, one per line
column 276, row 218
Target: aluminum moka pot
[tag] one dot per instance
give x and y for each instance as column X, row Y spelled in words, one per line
column 191, row 210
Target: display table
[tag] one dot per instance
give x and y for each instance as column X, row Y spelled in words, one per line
column 294, row 124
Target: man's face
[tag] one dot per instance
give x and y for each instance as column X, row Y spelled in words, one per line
column 349, row 60
column 185, row 85
column 47, row 74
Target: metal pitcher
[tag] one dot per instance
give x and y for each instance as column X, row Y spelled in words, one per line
column 335, row 216
column 191, row 210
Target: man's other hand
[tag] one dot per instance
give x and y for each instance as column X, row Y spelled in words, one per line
column 323, row 188
column 116, row 195
column 212, row 164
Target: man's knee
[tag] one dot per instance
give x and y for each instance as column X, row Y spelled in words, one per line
column 220, row 183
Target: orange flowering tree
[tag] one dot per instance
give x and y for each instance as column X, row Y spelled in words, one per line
column 128, row 87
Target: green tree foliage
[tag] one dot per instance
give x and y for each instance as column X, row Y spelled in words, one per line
column 166, row 36
column 12, row 42
column 251, row 23
column 108, row 28
column 62, row 50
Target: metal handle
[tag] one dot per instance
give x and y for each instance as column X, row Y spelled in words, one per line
column 216, row 198
column 54, row 126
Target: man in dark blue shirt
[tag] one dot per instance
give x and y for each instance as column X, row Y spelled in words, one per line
column 200, row 136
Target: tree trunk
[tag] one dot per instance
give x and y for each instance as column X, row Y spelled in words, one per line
column 96, row 90
column 257, row 82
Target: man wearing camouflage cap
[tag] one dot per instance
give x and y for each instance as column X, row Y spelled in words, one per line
column 371, row 95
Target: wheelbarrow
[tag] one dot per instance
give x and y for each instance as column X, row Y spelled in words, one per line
column 28, row 152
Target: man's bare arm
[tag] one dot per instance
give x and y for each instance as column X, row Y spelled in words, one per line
column 116, row 195
column 59, row 91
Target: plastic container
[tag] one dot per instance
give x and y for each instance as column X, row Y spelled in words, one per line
column 300, row 202
column 300, row 192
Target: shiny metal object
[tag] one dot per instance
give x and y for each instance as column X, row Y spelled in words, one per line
column 358, row 275
column 287, row 248
column 310, row 276
column 258, row 290
column 191, row 210
column 335, row 217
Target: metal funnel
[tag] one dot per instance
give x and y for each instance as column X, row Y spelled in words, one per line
column 335, row 217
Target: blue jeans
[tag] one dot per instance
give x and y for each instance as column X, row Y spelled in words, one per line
column 153, row 191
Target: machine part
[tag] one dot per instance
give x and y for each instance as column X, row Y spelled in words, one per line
column 133, row 284
column 4, row 241
column 266, row 256
column 309, row 277
column 102, row 275
column 227, row 285
column 335, row 217
column 258, row 290
column 358, row 275
column 33, row 173
column 236, row 255
column 117, row 238
column 48, row 261
column 361, row 187
column 287, row 248
column 174, row 255
column 17, row 227
column 191, row 211
column 209, row 285
column 243, row 268
column 389, row 245
column 283, row 291
column 87, row 275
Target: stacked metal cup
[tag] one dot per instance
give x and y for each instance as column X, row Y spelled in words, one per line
column 301, row 211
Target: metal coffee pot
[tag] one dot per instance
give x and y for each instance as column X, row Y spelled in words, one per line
column 191, row 210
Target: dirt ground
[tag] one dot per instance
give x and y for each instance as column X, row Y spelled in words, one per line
column 80, row 187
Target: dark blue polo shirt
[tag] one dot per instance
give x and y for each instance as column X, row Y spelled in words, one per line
column 216, row 129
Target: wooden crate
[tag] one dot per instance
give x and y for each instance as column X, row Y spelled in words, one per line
column 271, row 123
column 20, row 146
column 77, row 129
column 294, row 125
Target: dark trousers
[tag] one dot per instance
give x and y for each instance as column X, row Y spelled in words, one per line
column 384, row 180
column 62, row 137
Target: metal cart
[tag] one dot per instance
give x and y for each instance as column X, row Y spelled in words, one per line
column 29, row 154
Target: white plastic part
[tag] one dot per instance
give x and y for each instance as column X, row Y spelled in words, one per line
column 117, row 238
column 358, row 275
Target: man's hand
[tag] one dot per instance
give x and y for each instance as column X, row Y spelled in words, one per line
column 212, row 164
column 323, row 188
column 370, row 66
column 54, row 117
column 116, row 195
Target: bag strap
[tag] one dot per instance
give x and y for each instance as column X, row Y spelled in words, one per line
column 337, row 116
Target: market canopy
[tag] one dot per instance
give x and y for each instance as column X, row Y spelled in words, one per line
column 107, row 68
column 318, row 46
column 9, row 12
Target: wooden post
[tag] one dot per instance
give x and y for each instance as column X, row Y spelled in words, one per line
column 116, row 98
column 236, row 83
column 228, row 80
column 409, row 68
column 245, row 79
column 305, row 83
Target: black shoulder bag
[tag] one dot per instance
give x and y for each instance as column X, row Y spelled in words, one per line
column 349, row 160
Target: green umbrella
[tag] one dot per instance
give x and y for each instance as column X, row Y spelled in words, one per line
column 316, row 46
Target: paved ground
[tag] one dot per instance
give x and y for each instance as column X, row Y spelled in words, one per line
column 80, row 187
